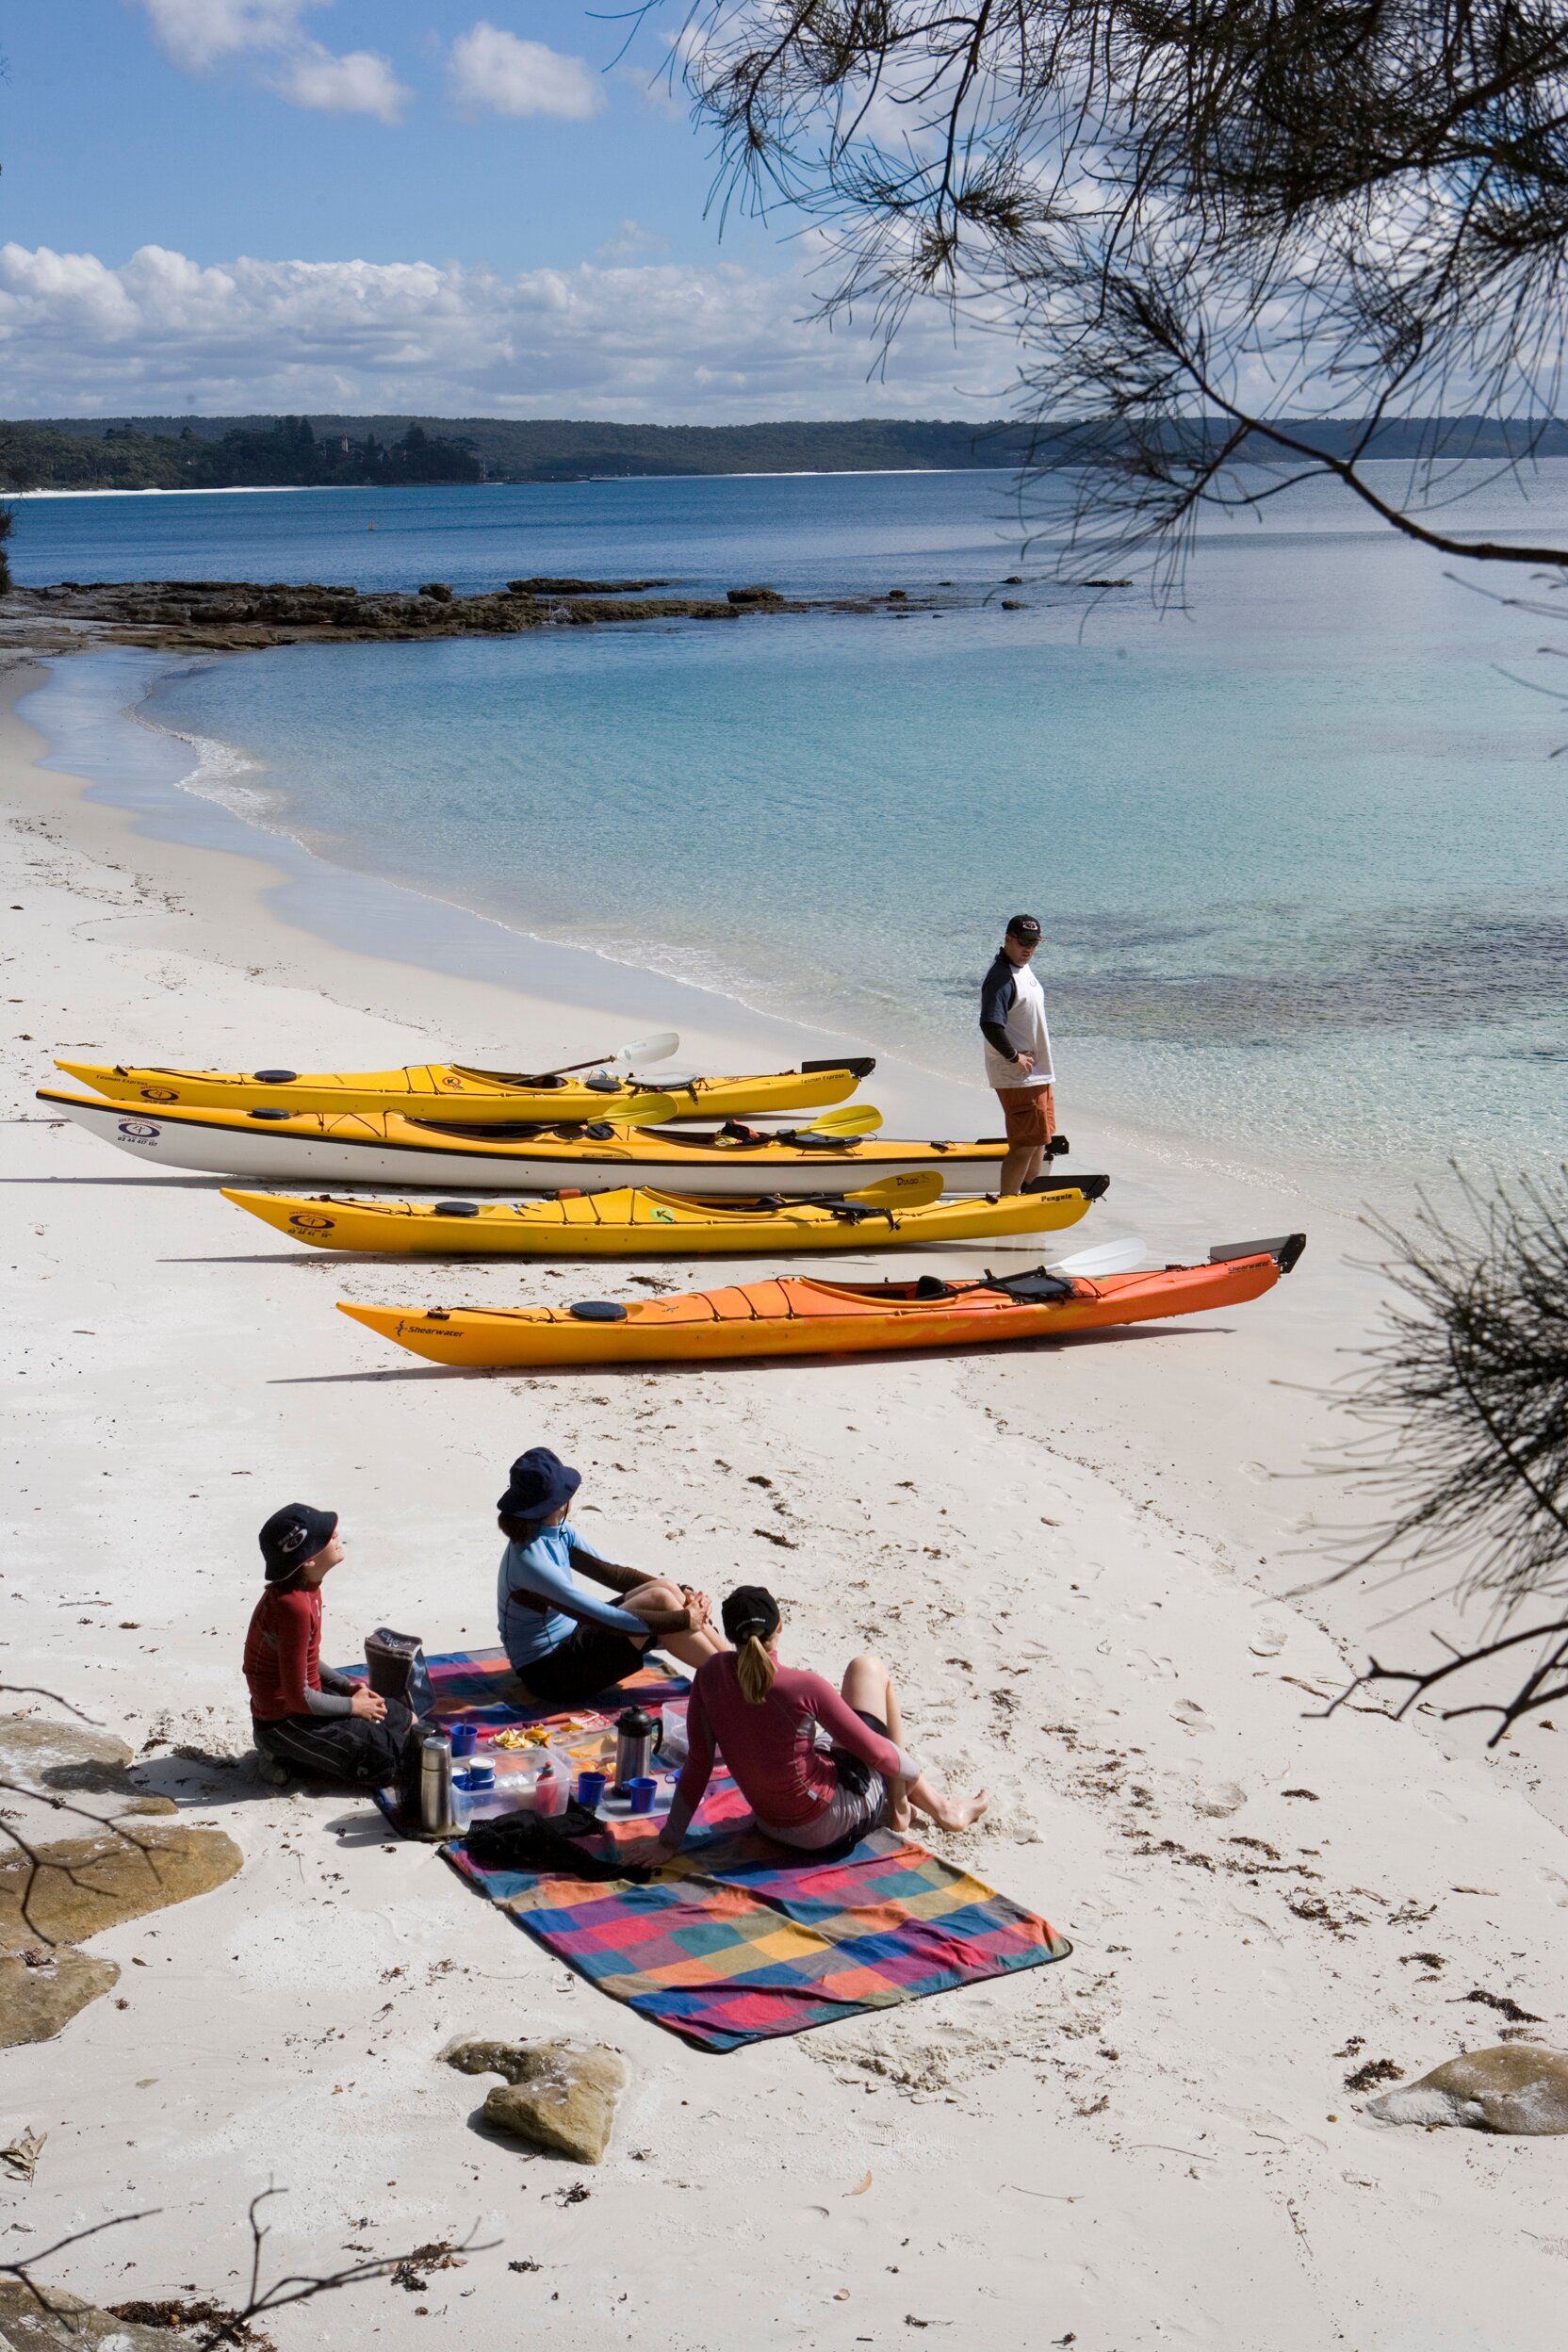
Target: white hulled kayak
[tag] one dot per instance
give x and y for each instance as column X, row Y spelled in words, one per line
column 383, row 1148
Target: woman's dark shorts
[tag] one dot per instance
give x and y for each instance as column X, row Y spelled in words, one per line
column 592, row 1658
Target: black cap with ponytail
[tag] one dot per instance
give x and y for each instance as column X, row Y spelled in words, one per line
column 751, row 1619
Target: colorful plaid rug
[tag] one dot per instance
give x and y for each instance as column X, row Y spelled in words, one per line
column 736, row 1940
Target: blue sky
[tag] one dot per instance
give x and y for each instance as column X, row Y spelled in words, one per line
column 222, row 205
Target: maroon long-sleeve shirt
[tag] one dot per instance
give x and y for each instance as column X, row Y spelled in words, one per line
column 785, row 1777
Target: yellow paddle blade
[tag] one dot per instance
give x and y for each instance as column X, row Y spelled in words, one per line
column 855, row 1119
column 913, row 1191
column 651, row 1113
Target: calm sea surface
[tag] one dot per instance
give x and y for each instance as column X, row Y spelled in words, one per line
column 1301, row 851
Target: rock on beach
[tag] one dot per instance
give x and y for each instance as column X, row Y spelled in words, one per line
column 1516, row 2086
column 560, row 2096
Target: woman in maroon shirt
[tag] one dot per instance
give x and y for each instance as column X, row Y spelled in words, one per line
column 765, row 1719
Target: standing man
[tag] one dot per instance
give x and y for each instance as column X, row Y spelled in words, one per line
column 1018, row 1054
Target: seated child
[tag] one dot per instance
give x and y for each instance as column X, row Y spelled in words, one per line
column 304, row 1716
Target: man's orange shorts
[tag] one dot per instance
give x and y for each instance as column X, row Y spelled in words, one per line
column 1029, row 1115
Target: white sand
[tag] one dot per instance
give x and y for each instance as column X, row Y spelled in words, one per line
column 1068, row 1558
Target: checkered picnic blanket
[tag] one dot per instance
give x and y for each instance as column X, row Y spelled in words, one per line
column 737, row 1941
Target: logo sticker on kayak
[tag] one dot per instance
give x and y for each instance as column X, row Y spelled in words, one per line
column 313, row 1224
column 157, row 1094
column 138, row 1131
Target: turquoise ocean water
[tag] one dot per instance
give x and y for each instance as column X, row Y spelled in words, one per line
column 1300, row 849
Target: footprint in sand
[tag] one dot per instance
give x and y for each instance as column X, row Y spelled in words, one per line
column 1268, row 1639
column 1219, row 1799
column 1191, row 1716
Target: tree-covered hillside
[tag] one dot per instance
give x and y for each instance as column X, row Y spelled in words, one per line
column 260, row 452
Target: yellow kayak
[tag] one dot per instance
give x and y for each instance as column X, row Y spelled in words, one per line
column 478, row 1097
column 638, row 1223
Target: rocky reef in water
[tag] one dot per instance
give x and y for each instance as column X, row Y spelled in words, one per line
column 229, row 615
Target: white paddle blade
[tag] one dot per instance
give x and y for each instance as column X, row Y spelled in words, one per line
column 655, row 1049
column 1107, row 1257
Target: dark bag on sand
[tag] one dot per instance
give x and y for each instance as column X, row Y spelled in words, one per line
column 395, row 1663
column 525, row 1841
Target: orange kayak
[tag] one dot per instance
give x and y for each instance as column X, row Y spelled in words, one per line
column 799, row 1316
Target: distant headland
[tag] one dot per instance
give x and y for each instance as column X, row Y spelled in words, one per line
column 322, row 451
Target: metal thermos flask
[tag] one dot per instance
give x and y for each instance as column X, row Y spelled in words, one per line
column 634, row 1736
column 435, row 1787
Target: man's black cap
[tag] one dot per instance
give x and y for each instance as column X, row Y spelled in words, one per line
column 1024, row 927
column 539, row 1483
column 293, row 1535
column 750, row 1608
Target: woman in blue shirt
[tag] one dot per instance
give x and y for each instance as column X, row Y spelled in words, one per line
column 565, row 1643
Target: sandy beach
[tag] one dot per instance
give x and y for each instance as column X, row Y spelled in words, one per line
column 1078, row 1562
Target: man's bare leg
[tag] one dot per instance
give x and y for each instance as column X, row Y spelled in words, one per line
column 1020, row 1168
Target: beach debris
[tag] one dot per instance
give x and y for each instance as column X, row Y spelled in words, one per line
column 1505, row 2007
column 1515, row 2087
column 1376, row 2070
column 413, row 2272
column 40, row 1991
column 25, row 2151
column 559, row 2095
column 1311, row 1794
column 860, row 2187
column 81, row 1885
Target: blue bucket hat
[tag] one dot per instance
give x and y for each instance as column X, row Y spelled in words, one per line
column 539, row 1483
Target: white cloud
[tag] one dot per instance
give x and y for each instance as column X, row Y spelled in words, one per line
column 665, row 342
column 632, row 242
column 196, row 33
column 494, row 72
column 360, row 83
column 200, row 34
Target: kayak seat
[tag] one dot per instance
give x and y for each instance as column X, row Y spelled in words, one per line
column 932, row 1286
column 1038, row 1289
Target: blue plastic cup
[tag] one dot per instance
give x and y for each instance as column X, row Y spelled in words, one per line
column 642, row 1794
column 590, row 1789
column 465, row 1739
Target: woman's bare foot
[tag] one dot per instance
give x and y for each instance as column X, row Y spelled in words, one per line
column 958, row 1812
column 899, row 1815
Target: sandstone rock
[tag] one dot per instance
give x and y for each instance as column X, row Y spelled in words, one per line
column 144, row 1809
column 1515, row 2087
column 557, row 2095
column 39, row 2002
column 87, row 1883
column 67, row 2321
column 41, row 1753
